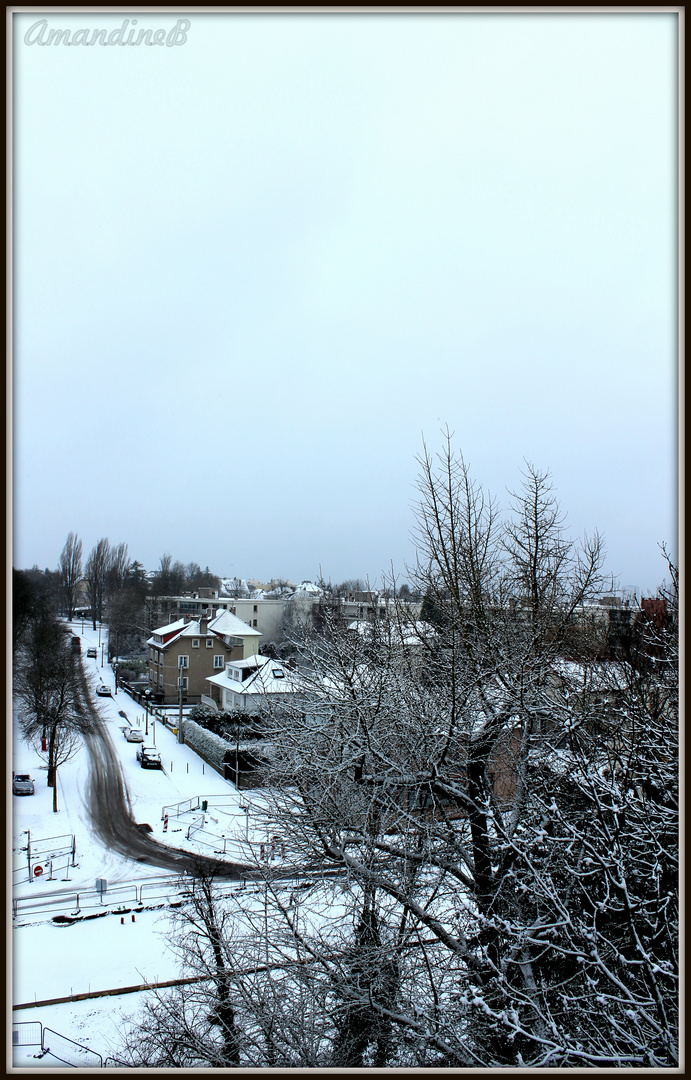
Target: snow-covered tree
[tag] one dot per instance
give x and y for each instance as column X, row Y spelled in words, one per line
column 493, row 783
column 483, row 809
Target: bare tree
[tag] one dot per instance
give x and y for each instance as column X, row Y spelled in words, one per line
column 117, row 570
column 195, row 1024
column 44, row 683
column 161, row 582
column 70, row 570
column 96, row 578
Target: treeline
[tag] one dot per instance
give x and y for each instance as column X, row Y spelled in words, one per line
column 108, row 585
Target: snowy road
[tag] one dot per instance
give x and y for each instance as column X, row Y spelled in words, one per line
column 109, row 805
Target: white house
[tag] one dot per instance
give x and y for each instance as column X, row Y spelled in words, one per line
column 246, row 684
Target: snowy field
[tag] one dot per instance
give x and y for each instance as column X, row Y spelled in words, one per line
column 114, row 950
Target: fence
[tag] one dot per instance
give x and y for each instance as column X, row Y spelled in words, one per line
column 33, row 1033
column 78, row 902
column 177, row 809
column 196, row 826
column 29, row 1033
column 52, row 845
column 71, row 1053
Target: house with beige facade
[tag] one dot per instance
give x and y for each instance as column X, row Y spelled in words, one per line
column 183, row 654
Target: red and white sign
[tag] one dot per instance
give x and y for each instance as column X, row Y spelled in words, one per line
column 38, row 870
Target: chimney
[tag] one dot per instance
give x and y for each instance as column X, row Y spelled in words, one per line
column 203, row 623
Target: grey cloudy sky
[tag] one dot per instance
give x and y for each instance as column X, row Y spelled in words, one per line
column 252, row 268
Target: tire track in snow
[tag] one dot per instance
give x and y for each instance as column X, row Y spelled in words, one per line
column 110, row 808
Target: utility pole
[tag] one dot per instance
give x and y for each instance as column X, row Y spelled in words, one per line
column 180, row 737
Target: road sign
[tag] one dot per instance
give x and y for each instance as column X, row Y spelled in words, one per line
column 38, row 870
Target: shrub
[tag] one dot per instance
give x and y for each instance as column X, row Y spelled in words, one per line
column 210, row 746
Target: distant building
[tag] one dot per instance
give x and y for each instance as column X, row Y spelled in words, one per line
column 264, row 615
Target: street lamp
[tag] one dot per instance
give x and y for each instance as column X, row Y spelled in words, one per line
column 246, row 812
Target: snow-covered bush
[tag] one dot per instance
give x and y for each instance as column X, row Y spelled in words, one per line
column 211, row 747
column 201, row 714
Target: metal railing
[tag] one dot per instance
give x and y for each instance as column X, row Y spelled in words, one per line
column 50, row 846
column 27, row 1033
column 81, row 902
column 176, row 809
column 51, row 866
column 183, row 807
column 69, row 1052
column 197, row 825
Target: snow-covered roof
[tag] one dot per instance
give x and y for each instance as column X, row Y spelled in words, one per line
column 250, row 662
column 226, row 623
column 603, row 675
column 170, row 627
column 270, row 677
column 411, row 635
column 308, row 588
column 171, row 631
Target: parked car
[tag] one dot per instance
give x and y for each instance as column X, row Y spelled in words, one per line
column 104, row 691
column 92, row 652
column 133, row 734
column 22, row 784
column 76, row 644
column 149, row 757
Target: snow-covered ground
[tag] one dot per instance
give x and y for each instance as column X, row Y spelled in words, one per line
column 51, row 959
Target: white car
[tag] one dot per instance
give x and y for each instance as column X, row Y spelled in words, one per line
column 104, row 691
column 133, row 734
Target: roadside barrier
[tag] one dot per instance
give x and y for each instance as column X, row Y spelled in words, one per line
column 69, row 1052
column 82, row 901
column 183, row 807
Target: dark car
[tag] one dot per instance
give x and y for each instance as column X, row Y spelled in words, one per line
column 22, row 784
column 92, row 652
column 149, row 757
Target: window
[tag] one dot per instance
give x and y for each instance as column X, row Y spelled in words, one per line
column 183, row 661
column 255, row 611
column 209, row 643
column 254, row 623
column 218, row 661
column 195, row 642
column 182, row 682
column 278, row 674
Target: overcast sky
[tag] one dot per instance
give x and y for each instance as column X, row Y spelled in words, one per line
column 253, row 268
